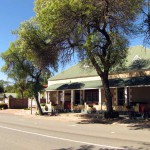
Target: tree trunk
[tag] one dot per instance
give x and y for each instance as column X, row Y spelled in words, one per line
column 36, row 90
column 107, row 92
column 38, row 105
column 105, row 81
column 22, row 95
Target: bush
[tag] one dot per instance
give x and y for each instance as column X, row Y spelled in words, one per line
column 42, row 104
column 114, row 114
column 3, row 106
column 26, row 108
column 46, row 108
column 92, row 110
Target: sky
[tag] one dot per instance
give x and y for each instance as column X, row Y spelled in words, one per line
column 12, row 13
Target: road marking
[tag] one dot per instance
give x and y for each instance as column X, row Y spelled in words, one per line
column 112, row 132
column 73, row 125
column 53, row 137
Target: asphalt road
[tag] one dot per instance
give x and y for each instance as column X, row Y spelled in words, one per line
column 25, row 133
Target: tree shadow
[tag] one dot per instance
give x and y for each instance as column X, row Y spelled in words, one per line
column 140, row 125
column 139, row 64
column 144, row 146
column 143, row 80
column 133, row 124
column 83, row 147
column 75, row 85
column 96, row 118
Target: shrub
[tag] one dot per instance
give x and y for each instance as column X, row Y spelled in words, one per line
column 46, row 107
column 3, row 106
column 42, row 104
column 26, row 108
column 92, row 110
column 114, row 114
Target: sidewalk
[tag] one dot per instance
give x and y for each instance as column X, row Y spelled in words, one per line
column 27, row 113
column 80, row 118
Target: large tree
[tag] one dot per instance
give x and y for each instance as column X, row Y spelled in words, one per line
column 96, row 28
column 13, row 68
column 2, row 86
column 145, row 25
column 19, row 67
column 33, row 54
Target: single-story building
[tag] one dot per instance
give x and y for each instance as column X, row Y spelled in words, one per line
column 79, row 87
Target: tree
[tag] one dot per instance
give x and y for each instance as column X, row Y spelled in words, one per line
column 10, row 88
column 146, row 22
column 41, row 53
column 2, row 86
column 36, row 45
column 97, row 29
column 21, row 69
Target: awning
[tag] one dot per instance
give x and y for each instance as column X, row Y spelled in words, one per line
column 76, row 85
column 134, row 81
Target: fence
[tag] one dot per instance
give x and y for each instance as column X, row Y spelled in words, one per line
column 14, row 103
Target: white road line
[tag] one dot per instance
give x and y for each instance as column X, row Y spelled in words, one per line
column 53, row 137
column 72, row 125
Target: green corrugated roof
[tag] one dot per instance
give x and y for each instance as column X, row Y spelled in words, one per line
column 134, row 81
column 137, row 59
column 76, row 85
column 75, row 71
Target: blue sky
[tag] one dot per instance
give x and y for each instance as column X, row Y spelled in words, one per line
column 12, row 13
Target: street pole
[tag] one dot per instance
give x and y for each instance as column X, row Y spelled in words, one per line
column 31, row 106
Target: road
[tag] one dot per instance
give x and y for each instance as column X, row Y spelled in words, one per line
column 26, row 133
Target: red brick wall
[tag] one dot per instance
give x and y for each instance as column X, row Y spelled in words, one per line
column 14, row 103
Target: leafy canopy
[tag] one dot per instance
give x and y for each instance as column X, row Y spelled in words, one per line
column 96, row 29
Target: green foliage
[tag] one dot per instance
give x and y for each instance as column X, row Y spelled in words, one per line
column 21, row 69
column 10, row 89
column 2, row 83
column 95, row 29
column 1, row 89
column 34, row 42
column 42, row 104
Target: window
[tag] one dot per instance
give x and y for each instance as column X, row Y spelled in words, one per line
column 120, row 97
column 91, row 96
column 77, row 97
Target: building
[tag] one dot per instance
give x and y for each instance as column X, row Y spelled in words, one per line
column 79, row 87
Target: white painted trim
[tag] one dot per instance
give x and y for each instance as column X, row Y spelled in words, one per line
column 126, row 94
column 72, row 99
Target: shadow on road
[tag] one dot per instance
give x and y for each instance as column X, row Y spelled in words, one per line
column 83, row 147
column 90, row 147
column 134, row 124
column 144, row 147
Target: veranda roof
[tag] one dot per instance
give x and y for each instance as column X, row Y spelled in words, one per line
column 137, row 59
column 76, row 85
column 134, row 81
